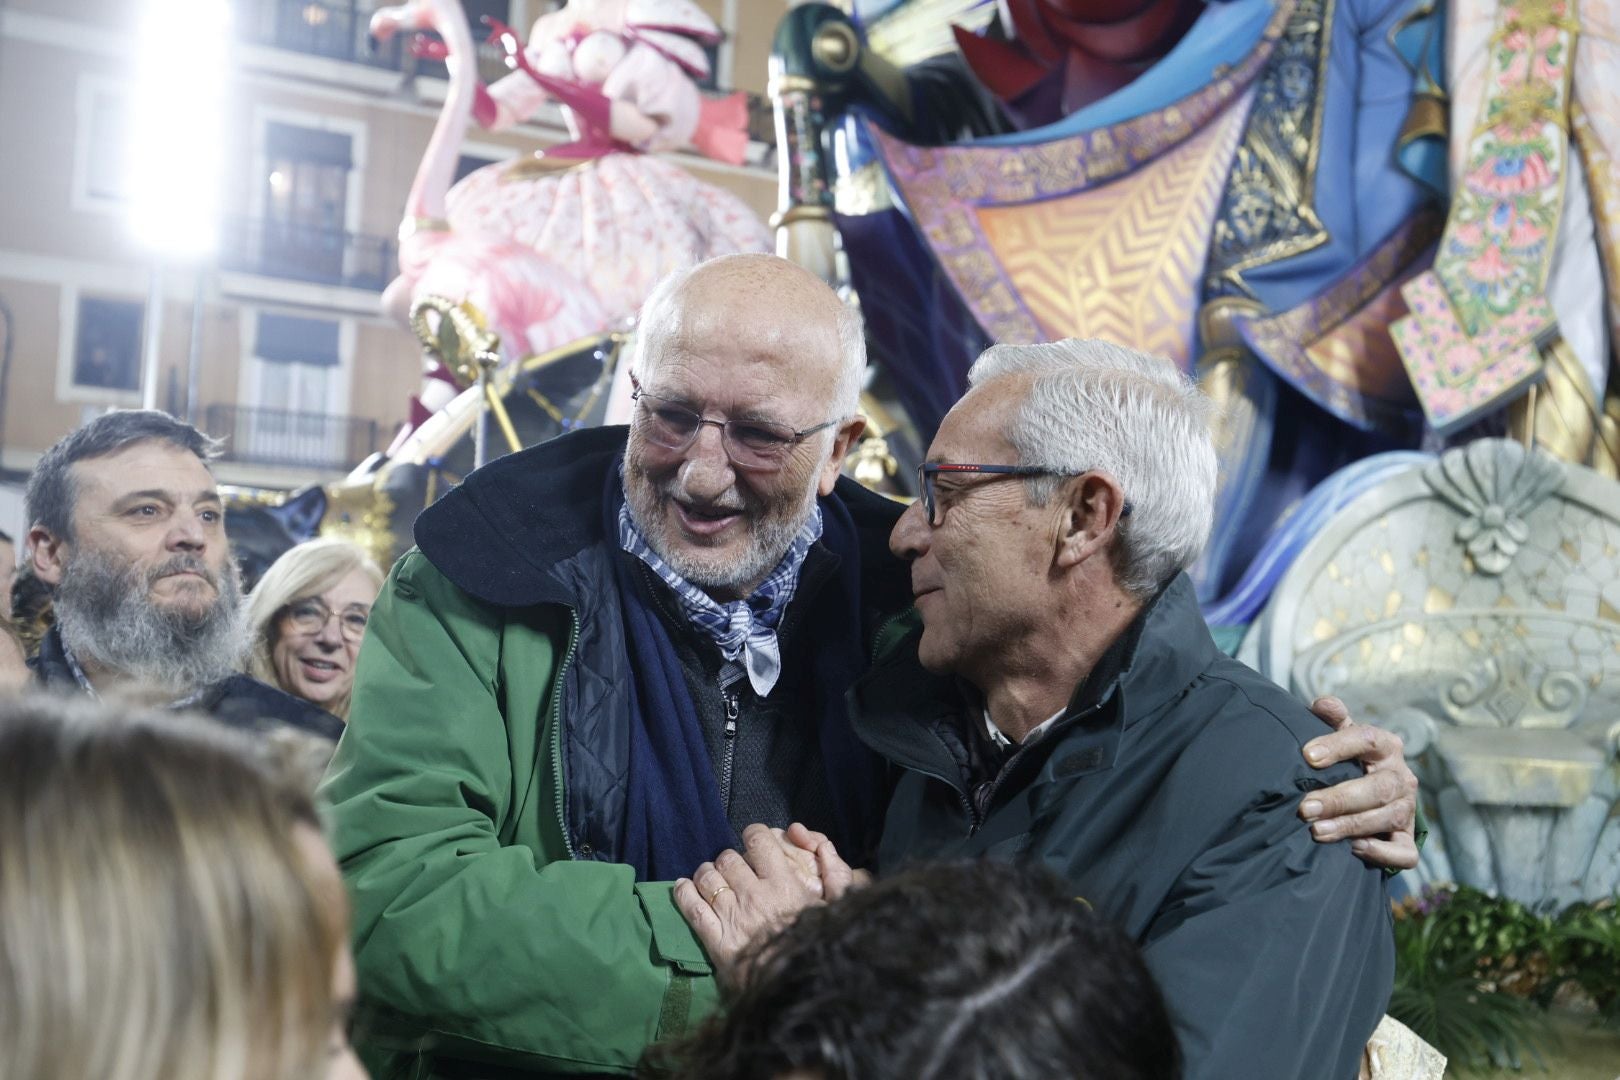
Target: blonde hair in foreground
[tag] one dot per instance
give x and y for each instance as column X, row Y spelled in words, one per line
column 308, row 569
column 158, row 920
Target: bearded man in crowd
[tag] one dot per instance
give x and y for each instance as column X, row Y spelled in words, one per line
column 127, row 527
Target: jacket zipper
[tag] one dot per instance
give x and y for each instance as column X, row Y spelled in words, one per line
column 732, row 711
column 556, row 731
column 962, row 796
column 1007, row 767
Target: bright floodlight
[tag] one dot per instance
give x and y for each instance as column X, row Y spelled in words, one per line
column 177, row 125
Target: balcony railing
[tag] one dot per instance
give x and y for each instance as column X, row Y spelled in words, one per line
column 284, row 249
column 336, row 31
column 291, row 439
column 341, row 31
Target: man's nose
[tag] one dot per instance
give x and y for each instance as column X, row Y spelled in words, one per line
column 910, row 536
column 707, row 472
column 188, row 533
column 330, row 634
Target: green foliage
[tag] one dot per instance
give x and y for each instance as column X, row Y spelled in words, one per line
column 1475, row 973
column 1588, row 940
column 1447, row 945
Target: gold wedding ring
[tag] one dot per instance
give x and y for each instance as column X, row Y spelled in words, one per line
column 717, row 892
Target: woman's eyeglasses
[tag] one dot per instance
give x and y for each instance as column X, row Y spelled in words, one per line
column 310, row 615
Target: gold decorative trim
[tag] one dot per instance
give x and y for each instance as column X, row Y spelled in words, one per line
column 836, row 48
column 780, row 85
column 413, row 225
column 947, row 188
column 864, row 191
column 1430, row 116
column 362, row 513
column 921, row 30
column 538, row 166
column 1277, row 161
column 1123, row 261
column 1217, row 325
column 235, row 495
column 1603, row 187
column 1560, row 415
column 802, row 212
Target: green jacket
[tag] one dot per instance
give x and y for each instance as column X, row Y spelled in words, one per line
column 477, row 765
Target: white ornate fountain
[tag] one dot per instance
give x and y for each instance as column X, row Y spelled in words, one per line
column 1473, row 605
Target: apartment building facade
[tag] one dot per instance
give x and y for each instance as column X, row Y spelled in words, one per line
column 295, row 366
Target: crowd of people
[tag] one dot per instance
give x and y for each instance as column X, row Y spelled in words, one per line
column 669, row 750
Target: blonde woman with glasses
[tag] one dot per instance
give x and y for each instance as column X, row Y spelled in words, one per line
column 308, row 614
column 168, row 908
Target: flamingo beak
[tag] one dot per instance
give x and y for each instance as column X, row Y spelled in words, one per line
column 388, row 21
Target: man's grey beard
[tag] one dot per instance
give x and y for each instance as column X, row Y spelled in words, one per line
column 649, row 509
column 105, row 610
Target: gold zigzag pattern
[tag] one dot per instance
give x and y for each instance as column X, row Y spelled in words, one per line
column 1123, row 261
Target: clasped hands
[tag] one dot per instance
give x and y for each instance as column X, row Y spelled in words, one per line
column 741, row 898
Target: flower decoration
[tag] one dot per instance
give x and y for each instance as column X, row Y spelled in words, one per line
column 1494, row 484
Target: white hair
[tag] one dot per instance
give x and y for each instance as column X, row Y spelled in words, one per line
column 659, row 313
column 1097, row 406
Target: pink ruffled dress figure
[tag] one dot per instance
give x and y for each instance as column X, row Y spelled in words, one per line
column 624, row 73
column 536, row 304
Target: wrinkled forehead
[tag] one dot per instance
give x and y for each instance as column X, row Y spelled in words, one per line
column 151, row 465
column 743, row 352
column 978, row 427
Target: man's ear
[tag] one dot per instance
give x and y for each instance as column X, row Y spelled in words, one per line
column 48, row 555
column 848, row 433
column 1093, row 504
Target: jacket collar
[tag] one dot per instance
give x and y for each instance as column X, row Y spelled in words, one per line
column 50, row 662
column 500, row 533
column 497, row 534
column 916, row 719
column 1155, row 660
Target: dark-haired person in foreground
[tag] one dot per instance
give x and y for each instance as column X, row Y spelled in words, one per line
column 1064, row 704
column 127, row 527
column 948, row 971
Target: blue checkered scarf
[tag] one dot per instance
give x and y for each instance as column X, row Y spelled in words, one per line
column 743, row 629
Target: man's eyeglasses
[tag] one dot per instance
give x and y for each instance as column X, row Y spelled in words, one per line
column 929, row 471
column 757, row 445
column 310, row 615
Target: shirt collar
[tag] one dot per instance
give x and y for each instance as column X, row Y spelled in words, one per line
column 1003, row 743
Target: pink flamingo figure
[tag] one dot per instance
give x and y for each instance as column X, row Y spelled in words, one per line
column 624, row 72
column 533, row 304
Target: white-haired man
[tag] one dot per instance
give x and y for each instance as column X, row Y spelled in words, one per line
column 1063, row 702
column 608, row 655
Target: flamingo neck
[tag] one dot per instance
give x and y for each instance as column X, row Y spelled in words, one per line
column 438, row 169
